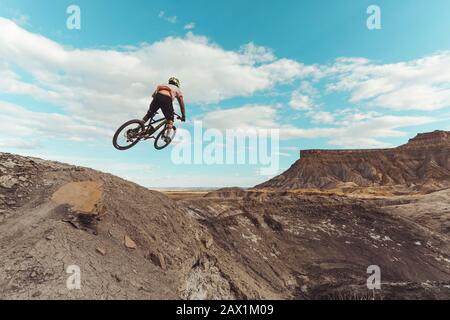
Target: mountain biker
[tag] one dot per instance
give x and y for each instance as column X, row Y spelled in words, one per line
column 163, row 99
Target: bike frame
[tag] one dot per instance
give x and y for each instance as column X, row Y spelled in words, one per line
column 162, row 122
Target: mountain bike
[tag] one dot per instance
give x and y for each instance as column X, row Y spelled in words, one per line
column 134, row 131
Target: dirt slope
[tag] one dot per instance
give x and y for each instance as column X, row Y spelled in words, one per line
column 430, row 210
column 319, row 246
column 54, row 215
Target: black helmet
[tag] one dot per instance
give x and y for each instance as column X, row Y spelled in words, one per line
column 174, row 81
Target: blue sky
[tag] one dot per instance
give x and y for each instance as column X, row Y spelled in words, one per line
column 309, row 68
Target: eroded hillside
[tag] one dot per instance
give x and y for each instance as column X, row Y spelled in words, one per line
column 306, row 245
column 129, row 242
column 423, row 163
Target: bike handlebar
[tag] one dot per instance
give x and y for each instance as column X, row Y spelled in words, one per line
column 178, row 116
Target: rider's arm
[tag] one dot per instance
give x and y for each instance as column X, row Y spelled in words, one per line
column 182, row 107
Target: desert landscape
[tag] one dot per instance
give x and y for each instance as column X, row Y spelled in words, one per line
column 310, row 233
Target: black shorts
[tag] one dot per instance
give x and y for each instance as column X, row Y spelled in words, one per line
column 163, row 102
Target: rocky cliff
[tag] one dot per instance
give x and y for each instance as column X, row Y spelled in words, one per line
column 423, row 161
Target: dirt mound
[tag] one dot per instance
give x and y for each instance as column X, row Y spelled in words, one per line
column 53, row 216
column 423, row 163
column 232, row 192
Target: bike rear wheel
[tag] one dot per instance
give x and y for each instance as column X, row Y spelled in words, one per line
column 162, row 140
column 128, row 135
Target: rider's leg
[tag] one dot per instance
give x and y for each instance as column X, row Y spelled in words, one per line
column 169, row 128
column 151, row 111
column 169, row 114
column 147, row 117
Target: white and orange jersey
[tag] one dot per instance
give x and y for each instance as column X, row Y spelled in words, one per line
column 175, row 92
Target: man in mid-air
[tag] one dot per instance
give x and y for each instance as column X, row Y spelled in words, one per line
column 163, row 99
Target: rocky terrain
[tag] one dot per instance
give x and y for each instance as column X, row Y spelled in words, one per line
column 133, row 243
column 318, row 246
column 127, row 240
column 421, row 164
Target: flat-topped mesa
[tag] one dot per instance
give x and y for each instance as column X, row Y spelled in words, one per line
column 324, row 153
column 422, row 140
column 424, row 160
column 429, row 139
column 438, row 134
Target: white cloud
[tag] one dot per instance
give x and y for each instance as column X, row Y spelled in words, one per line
column 244, row 118
column 422, row 84
column 290, row 148
column 19, row 143
column 361, row 132
column 366, row 133
column 304, row 97
column 105, row 85
column 22, row 20
column 171, row 19
column 322, row 117
column 189, row 26
column 257, row 54
column 22, row 128
column 301, row 101
column 97, row 88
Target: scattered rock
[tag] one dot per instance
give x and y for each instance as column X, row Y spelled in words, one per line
column 72, row 221
column 158, row 259
column 208, row 243
column 101, row 251
column 117, row 278
column 50, row 237
column 129, row 243
column 8, row 181
column 9, row 164
column 36, row 294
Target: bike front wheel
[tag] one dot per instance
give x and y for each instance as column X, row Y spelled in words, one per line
column 163, row 140
column 128, row 135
